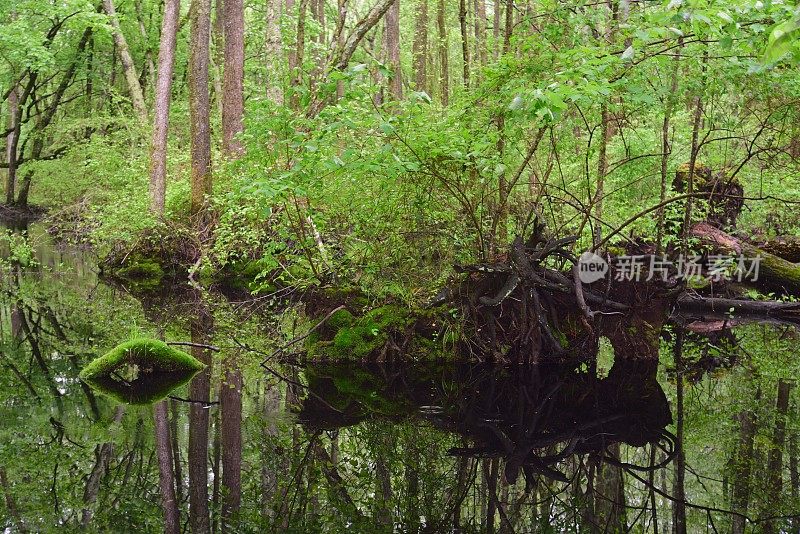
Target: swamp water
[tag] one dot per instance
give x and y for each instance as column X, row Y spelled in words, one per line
column 709, row 444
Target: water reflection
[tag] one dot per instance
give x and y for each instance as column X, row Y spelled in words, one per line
column 405, row 447
column 533, row 417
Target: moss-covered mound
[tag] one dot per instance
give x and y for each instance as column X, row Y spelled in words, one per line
column 140, row 371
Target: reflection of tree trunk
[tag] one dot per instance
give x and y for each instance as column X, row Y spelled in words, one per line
column 678, row 506
column 176, row 451
column 609, row 499
column 199, row 391
column 743, row 466
column 166, row 478
column 411, row 475
column 103, row 454
column 383, row 493
column 794, row 476
column 490, row 472
column 775, row 462
column 269, row 450
column 230, row 398
column 11, row 503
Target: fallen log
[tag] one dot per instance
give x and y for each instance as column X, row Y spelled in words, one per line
column 786, row 247
column 736, row 311
column 774, row 274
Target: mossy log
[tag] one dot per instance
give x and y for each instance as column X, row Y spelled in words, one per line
column 140, row 371
column 775, row 273
column 786, row 247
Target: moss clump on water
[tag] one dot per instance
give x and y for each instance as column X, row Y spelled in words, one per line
column 140, row 273
column 158, row 369
column 367, row 334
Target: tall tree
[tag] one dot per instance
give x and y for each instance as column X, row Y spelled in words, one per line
column 163, row 96
column 393, row 50
column 233, row 79
column 274, row 51
column 444, row 68
column 480, row 33
column 462, row 19
column 199, row 100
column 299, row 54
column 128, row 66
column 420, row 47
column 14, row 128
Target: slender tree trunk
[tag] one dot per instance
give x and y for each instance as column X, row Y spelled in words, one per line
column 163, row 96
column 444, row 68
column 299, row 52
column 274, row 51
column 393, row 50
column 462, row 19
column 11, row 144
column 480, row 32
column 496, row 18
column 150, row 67
column 269, row 456
column 128, row 67
column 340, row 39
column 230, row 398
column 420, row 48
column 665, row 145
column 233, row 79
column 166, row 478
column 199, row 99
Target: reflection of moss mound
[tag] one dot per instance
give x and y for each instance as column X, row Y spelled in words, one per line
column 158, row 369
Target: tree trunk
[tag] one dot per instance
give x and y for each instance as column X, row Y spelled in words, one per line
column 199, row 98
column 480, row 33
column 462, row 19
column 393, row 50
column 163, row 96
column 11, row 143
column 299, row 51
column 444, row 68
column 166, row 478
column 420, row 48
column 233, row 79
column 274, row 51
column 230, row 398
column 128, row 67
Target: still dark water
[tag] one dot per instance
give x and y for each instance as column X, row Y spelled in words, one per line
column 709, row 446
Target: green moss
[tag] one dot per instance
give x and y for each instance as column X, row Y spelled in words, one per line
column 370, row 332
column 140, row 273
column 341, row 319
column 158, row 369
